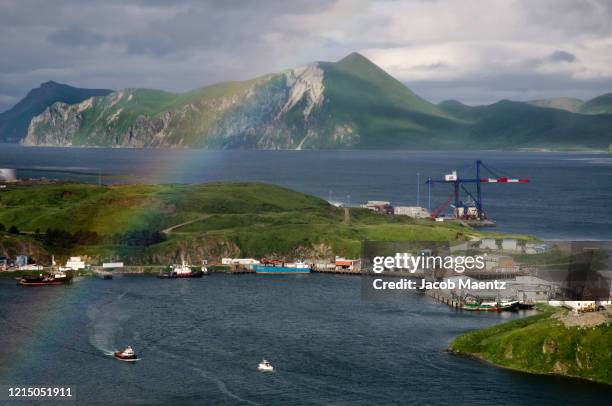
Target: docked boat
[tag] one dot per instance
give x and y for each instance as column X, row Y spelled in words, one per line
column 492, row 306
column 183, row 271
column 281, row 267
column 265, row 366
column 482, row 306
column 509, row 305
column 127, row 355
column 51, row 278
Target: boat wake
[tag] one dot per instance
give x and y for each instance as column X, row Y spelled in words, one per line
column 105, row 325
column 205, row 374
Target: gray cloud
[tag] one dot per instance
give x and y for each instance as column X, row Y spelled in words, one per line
column 517, row 49
column 561, row 56
column 75, row 36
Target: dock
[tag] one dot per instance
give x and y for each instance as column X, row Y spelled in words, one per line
column 446, row 298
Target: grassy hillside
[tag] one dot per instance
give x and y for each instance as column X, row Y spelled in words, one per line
column 514, row 125
column 157, row 223
column 542, row 344
column 382, row 110
column 570, row 104
column 599, row 105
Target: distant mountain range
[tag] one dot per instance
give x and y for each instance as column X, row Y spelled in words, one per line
column 599, row 105
column 14, row 122
column 351, row 103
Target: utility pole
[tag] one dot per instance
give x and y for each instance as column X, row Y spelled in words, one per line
column 418, row 189
column 429, row 195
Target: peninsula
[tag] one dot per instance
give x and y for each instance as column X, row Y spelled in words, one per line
column 554, row 342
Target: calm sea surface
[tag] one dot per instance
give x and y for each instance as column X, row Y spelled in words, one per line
column 200, row 341
column 568, row 198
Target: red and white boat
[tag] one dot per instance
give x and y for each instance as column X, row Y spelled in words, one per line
column 126, row 355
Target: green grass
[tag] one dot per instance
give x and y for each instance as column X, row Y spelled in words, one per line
column 247, row 219
column 542, row 344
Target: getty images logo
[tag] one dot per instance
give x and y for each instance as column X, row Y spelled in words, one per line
column 412, row 263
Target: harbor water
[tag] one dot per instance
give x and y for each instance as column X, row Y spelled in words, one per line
column 200, row 341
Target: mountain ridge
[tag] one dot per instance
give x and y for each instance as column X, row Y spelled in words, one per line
column 14, row 122
column 348, row 104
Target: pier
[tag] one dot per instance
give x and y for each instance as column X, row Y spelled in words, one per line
column 446, row 298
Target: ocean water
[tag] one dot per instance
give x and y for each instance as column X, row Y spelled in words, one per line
column 200, row 341
column 568, row 197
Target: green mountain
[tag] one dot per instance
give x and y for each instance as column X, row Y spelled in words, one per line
column 514, row 125
column 348, row 104
column 599, row 105
column 14, row 122
column 351, row 103
column 563, row 103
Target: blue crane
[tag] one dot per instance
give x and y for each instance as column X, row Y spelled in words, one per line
column 463, row 210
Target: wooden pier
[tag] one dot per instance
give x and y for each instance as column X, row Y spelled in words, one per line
column 445, row 298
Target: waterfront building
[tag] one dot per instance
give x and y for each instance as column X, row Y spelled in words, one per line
column 75, row 263
column 379, row 206
column 510, row 245
column 488, row 244
column 343, row 264
column 239, row 261
column 411, row 211
column 21, row 260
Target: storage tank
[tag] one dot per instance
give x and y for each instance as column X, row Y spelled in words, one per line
column 7, row 175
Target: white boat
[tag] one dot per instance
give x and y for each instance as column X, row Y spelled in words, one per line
column 127, row 355
column 265, row 366
column 182, row 269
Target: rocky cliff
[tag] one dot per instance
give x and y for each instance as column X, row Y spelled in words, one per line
column 14, row 122
column 351, row 103
column 271, row 112
column 321, row 105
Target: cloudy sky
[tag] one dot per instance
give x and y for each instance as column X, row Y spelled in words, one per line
column 474, row 51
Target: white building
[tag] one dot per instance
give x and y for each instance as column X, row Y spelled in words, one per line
column 7, row 175
column 510, row 245
column 31, row 267
column 488, row 244
column 376, row 205
column 239, row 261
column 411, row 211
column 532, row 289
column 493, row 262
column 579, row 305
column 75, row 263
column 533, row 248
column 112, row 265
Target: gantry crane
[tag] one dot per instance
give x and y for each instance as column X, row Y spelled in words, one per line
column 468, row 210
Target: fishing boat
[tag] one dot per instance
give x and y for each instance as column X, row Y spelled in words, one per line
column 265, row 366
column 183, row 271
column 45, row 279
column 127, row 355
column 509, row 305
column 275, row 266
column 526, row 305
column 482, row 306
